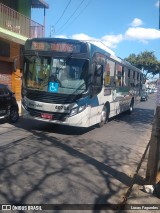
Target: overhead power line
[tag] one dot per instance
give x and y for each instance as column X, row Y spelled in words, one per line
column 71, row 15
column 75, row 18
column 63, row 12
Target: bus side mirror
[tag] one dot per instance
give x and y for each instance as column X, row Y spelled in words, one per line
column 98, row 70
column 92, row 88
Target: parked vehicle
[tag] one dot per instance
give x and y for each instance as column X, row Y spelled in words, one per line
column 8, row 105
column 149, row 90
column 144, row 96
column 154, row 90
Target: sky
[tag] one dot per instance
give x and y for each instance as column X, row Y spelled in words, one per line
column 122, row 27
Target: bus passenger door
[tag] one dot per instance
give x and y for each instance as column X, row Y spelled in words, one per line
column 96, row 88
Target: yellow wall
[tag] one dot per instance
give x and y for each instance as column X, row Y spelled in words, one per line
column 16, row 84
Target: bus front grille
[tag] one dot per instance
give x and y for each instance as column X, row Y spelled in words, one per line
column 55, row 116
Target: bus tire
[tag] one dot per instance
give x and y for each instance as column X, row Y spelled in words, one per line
column 104, row 116
column 131, row 107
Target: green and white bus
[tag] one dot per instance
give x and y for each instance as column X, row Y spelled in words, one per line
column 76, row 83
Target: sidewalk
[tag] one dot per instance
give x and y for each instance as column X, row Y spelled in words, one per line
column 137, row 194
column 139, row 200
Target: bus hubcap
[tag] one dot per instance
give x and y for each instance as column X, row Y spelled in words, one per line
column 104, row 115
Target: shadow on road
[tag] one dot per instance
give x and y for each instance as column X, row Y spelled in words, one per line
column 139, row 117
column 41, row 168
column 39, row 174
column 29, row 125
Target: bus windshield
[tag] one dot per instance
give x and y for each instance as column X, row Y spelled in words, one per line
column 56, row 75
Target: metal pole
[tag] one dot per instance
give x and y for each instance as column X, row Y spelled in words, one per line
column 159, row 14
column 52, row 30
column 44, row 24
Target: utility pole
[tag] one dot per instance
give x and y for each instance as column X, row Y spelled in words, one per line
column 52, row 31
column 159, row 28
column 159, row 14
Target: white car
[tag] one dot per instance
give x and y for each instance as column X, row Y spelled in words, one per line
column 155, row 90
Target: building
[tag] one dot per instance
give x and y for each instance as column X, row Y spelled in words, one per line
column 15, row 27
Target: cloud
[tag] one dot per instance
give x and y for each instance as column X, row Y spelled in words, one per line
column 112, row 40
column 136, row 22
column 109, row 42
column 157, row 4
column 82, row 36
column 142, row 34
column 61, row 36
column 106, row 42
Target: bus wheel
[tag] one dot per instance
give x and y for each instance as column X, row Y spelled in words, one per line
column 130, row 108
column 104, row 116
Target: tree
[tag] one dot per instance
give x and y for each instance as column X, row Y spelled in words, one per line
column 146, row 61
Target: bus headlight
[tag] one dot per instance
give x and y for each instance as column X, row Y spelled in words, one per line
column 77, row 110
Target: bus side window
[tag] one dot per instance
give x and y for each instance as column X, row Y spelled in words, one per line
column 132, row 75
column 134, row 78
column 138, row 79
column 125, row 76
column 129, row 74
column 109, row 76
column 141, row 80
column 118, row 75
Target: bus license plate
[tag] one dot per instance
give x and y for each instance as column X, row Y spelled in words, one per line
column 46, row 116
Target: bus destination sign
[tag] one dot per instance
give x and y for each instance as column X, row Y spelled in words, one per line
column 59, row 47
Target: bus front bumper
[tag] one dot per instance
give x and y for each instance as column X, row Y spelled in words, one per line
column 79, row 120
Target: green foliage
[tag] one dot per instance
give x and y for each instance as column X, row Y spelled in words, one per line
column 146, row 61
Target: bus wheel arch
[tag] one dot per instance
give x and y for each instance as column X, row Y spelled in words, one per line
column 104, row 114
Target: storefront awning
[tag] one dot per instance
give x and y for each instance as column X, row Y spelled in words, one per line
column 39, row 4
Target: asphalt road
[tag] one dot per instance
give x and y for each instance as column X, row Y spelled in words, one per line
column 41, row 163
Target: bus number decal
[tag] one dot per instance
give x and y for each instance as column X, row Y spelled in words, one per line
column 62, row 107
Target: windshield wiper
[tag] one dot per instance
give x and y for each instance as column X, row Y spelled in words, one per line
column 66, row 60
